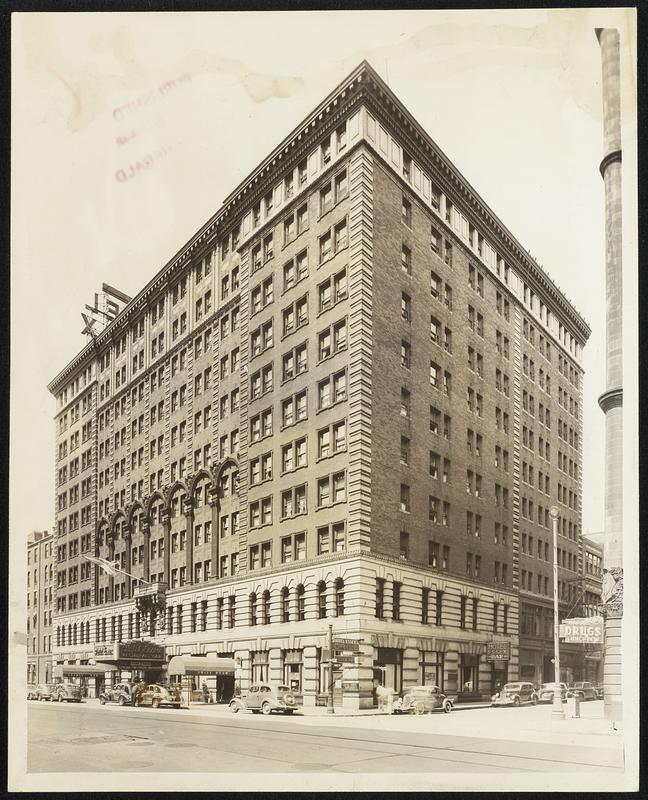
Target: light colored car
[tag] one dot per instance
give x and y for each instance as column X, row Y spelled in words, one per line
column 265, row 698
column 44, row 691
column 546, row 692
column 515, row 694
column 155, row 695
column 423, row 700
column 67, row 693
column 584, row 690
column 120, row 693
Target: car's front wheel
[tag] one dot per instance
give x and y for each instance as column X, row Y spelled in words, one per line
column 102, row 701
column 266, row 709
column 516, row 701
column 234, row 707
column 155, row 703
column 122, row 701
column 419, row 708
column 447, row 707
column 60, row 698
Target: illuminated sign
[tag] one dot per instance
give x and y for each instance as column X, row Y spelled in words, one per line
column 582, row 630
column 498, row 651
column 107, row 305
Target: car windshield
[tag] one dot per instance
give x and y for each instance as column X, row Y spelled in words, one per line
column 283, row 689
column 548, row 685
column 512, row 687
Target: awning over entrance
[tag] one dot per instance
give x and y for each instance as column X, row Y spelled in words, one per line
column 81, row 670
column 201, row 665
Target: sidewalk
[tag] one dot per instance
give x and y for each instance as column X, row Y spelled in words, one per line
column 211, row 709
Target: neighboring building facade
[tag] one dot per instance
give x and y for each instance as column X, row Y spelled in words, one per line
column 41, row 561
column 592, row 584
column 330, row 407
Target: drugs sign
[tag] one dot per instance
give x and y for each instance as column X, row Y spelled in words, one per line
column 586, row 630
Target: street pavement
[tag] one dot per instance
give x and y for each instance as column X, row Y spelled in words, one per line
column 88, row 738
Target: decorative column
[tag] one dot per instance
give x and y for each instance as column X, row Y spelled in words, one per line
column 145, row 528
column 331, row 610
column 166, row 527
column 214, row 502
column 611, row 401
column 128, row 540
column 111, row 578
column 189, row 519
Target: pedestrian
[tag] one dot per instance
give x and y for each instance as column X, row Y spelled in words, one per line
column 205, row 692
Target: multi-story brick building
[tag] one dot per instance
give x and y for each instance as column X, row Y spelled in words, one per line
column 41, row 561
column 319, row 412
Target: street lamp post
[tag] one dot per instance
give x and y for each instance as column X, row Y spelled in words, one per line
column 557, row 711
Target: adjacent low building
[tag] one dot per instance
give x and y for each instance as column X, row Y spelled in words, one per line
column 40, row 603
column 349, row 400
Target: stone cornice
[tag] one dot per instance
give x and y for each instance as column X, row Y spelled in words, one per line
column 387, row 106
column 613, row 398
column 363, row 84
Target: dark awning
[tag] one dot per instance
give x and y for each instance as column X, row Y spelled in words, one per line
column 201, row 665
column 81, row 670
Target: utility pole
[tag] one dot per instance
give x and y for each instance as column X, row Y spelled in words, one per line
column 557, row 711
column 329, row 701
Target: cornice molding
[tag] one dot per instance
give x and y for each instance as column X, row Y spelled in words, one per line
column 610, row 158
column 613, row 398
column 363, row 84
column 382, row 102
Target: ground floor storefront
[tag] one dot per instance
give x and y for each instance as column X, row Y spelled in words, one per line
column 39, row 669
column 393, row 625
column 537, row 662
column 210, row 673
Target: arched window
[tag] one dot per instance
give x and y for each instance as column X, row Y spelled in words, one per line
column 265, row 609
column 301, row 603
column 253, row 609
column 339, row 597
column 285, row 604
column 74, row 633
column 321, row 600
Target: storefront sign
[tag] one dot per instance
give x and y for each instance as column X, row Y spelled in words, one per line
column 346, row 645
column 141, row 651
column 588, row 630
column 498, row 651
column 107, row 650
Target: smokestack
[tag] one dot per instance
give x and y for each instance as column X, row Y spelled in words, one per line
column 611, row 401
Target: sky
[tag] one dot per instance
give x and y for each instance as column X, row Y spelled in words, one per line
column 512, row 98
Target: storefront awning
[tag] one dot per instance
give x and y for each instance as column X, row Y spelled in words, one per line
column 81, row 670
column 201, row 665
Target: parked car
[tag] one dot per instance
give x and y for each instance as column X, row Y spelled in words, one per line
column 546, row 692
column 423, row 700
column 583, row 690
column 120, row 693
column 67, row 692
column 31, row 691
column 155, row 695
column 600, row 691
column 265, row 698
column 514, row 694
column 44, row 691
